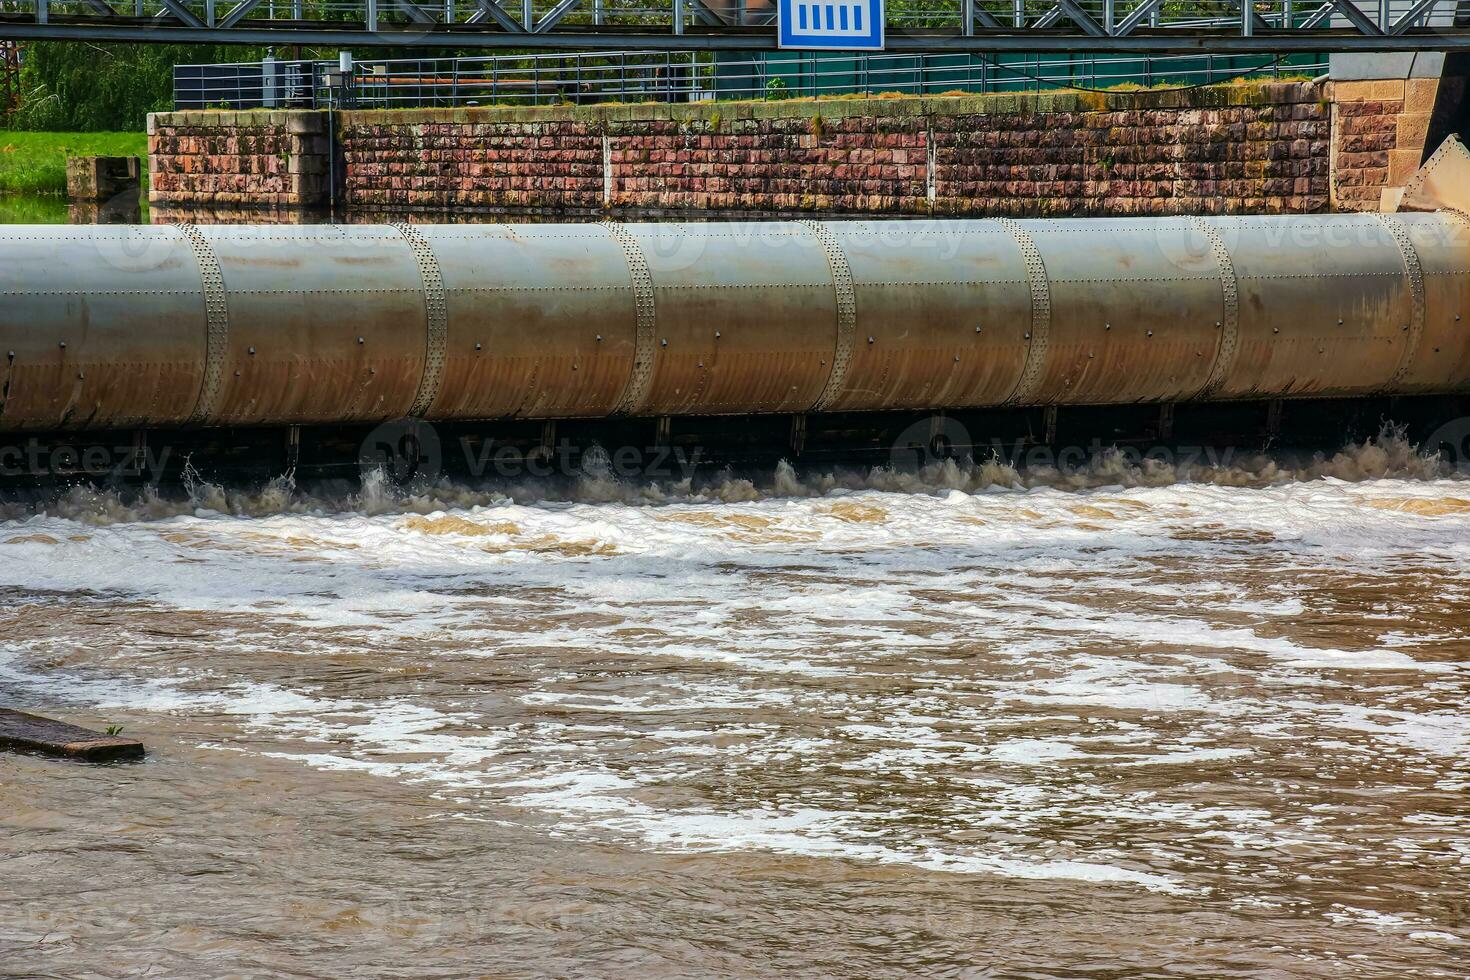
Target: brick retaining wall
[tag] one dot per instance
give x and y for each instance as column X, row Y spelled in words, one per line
column 1243, row 148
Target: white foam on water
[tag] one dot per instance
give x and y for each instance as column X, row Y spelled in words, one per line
column 715, row 670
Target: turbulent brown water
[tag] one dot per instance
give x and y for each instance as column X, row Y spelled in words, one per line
column 967, row 722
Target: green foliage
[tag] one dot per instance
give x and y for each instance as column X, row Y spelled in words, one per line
column 35, row 163
column 776, row 88
column 72, row 85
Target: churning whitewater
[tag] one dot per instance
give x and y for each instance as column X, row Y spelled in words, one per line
column 1237, row 693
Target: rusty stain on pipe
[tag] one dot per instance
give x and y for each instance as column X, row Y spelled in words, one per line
column 113, row 326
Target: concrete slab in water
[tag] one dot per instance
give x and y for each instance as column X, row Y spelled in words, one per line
column 32, row 733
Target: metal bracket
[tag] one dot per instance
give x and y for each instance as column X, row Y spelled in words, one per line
column 1443, row 183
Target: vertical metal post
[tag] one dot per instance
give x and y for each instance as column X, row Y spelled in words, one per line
column 678, row 16
column 597, row 12
column 1385, row 15
column 1109, row 18
column 1247, row 18
column 798, row 434
column 1288, row 16
column 372, row 15
column 208, row 13
column 968, row 12
column 43, row 11
column 293, row 447
column 528, row 14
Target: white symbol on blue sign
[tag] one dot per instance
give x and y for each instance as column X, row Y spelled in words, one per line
column 852, row 25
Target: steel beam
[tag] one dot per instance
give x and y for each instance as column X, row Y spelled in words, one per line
column 191, row 30
column 238, row 13
column 494, row 11
column 185, row 16
column 1420, row 9
column 554, row 15
column 415, row 13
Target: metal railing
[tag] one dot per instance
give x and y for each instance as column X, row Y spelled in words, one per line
column 631, row 76
column 1156, row 26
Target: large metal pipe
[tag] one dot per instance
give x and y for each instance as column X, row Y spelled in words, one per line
column 107, row 326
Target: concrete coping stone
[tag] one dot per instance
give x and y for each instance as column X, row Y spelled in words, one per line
column 306, row 121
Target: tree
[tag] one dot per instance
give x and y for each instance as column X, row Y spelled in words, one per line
column 81, row 86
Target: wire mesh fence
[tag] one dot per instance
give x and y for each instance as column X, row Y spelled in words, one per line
column 636, row 76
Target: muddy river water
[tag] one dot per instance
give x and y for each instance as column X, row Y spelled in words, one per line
column 958, row 723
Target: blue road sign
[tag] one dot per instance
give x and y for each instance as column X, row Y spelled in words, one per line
column 845, row 25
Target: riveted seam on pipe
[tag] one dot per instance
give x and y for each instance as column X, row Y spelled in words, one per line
column 436, row 309
column 217, row 322
column 640, row 377
column 842, row 285
column 1415, row 274
column 1040, row 312
column 1457, row 213
column 1229, row 344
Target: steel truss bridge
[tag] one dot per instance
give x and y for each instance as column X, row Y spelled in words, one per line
column 1088, row 26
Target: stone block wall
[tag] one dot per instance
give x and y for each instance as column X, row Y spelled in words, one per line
column 416, row 159
column 275, row 159
column 1232, row 149
column 1380, row 137
column 1243, row 148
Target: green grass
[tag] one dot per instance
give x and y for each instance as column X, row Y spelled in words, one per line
column 35, row 163
column 33, row 209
